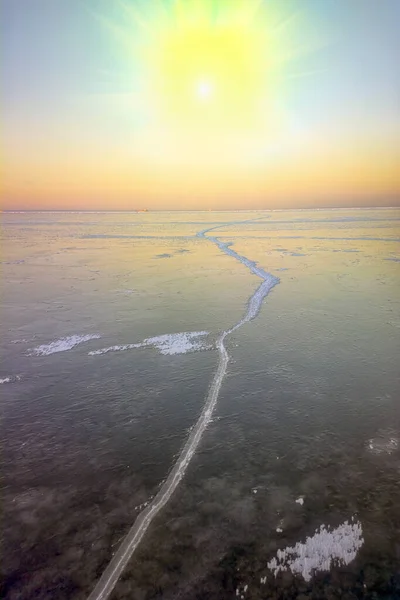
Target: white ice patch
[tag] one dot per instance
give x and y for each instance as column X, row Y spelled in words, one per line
column 383, row 444
column 300, row 500
column 178, row 343
column 9, row 379
column 319, row 551
column 61, row 345
column 171, row 343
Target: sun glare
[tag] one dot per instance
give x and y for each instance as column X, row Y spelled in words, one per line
column 227, row 57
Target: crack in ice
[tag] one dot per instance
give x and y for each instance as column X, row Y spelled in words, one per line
column 110, row 576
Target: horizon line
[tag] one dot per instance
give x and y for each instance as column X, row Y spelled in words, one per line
column 134, row 210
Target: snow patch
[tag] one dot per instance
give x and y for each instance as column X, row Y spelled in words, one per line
column 170, row 343
column 61, row 345
column 300, row 500
column 383, row 444
column 178, row 343
column 319, row 551
column 9, row 379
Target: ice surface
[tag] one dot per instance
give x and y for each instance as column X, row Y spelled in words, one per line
column 63, row 344
column 319, row 551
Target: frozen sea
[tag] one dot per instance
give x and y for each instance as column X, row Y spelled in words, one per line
column 111, row 349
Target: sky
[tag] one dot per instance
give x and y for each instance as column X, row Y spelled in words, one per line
column 200, row 104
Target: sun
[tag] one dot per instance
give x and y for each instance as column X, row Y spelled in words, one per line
column 229, row 55
column 204, row 89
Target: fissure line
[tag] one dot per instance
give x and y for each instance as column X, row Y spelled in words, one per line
column 110, row 576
